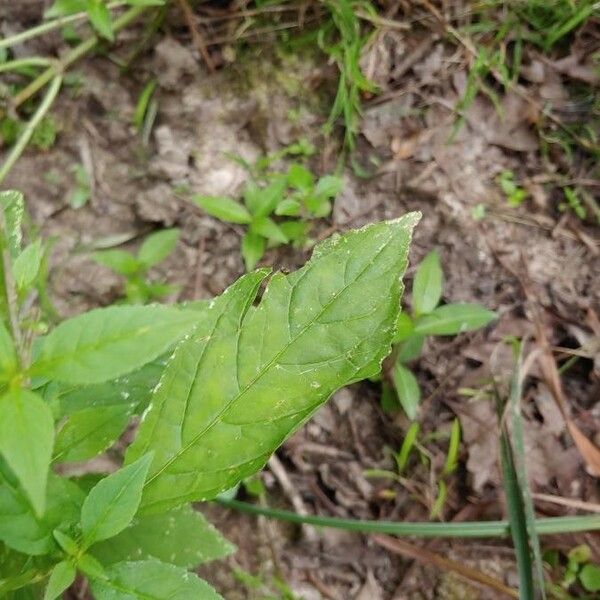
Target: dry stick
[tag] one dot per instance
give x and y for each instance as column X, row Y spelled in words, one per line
column 421, row 554
column 569, row 502
column 189, row 17
column 281, row 475
column 79, row 51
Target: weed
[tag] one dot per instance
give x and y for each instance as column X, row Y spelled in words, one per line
column 427, row 318
column 214, row 410
column 275, row 206
column 514, row 194
column 134, row 268
column 573, row 568
column 81, row 192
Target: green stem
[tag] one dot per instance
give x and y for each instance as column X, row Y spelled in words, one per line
column 33, row 61
column 60, row 66
column 49, row 26
column 549, row 526
column 24, row 138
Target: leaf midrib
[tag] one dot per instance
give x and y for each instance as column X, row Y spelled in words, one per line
column 265, row 369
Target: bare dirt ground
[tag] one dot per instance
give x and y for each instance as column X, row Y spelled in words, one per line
column 244, row 109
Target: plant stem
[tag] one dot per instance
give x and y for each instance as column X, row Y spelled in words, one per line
column 60, row 66
column 33, row 61
column 476, row 529
column 24, row 138
column 49, row 26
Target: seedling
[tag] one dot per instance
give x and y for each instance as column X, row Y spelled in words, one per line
column 276, row 207
column 155, row 249
column 98, row 12
column 514, row 194
column 428, row 317
column 574, row 568
column 222, row 384
column 81, row 192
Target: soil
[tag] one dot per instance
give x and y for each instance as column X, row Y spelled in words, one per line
column 520, row 261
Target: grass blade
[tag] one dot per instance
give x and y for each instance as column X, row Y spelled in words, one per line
column 472, row 529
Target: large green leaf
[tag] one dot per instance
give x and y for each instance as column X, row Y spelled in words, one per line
column 250, row 376
column 151, row 580
column 62, row 576
column 112, row 503
column 26, row 440
column 181, row 536
column 106, row 343
column 22, row 530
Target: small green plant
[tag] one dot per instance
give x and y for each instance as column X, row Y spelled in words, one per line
column 427, row 318
column 514, row 194
column 574, row 568
column 98, row 12
column 134, row 268
column 276, row 207
column 81, row 192
column 573, row 203
column 222, row 384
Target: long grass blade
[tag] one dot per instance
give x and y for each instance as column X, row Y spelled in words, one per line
column 472, row 529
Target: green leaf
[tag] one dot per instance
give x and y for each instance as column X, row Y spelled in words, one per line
column 407, row 445
column 8, row 355
column 112, row 503
column 62, row 8
column 99, row 16
column 220, row 411
column 300, row 177
column 151, row 580
column 61, row 577
column 269, row 229
column 427, row 286
column 408, row 390
column 295, row 231
column 107, row 343
column 26, row 439
column 288, row 208
column 22, row 530
column 27, row 265
column 223, row 208
column 404, row 327
column 262, row 201
column 182, row 537
column 14, row 209
column 451, row 319
column 329, row 186
column 89, row 432
column 145, row 2
column 119, row 261
column 158, row 246
column 253, row 248
column 590, row 577
column 410, row 348
column 133, row 388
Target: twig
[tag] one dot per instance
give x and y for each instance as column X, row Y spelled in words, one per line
column 569, row 502
column 421, row 554
column 289, row 490
column 189, row 17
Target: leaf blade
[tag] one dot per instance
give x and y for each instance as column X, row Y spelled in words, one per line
column 107, row 343
column 452, row 319
column 314, row 331
column 112, row 502
column 427, row 286
column 26, row 441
